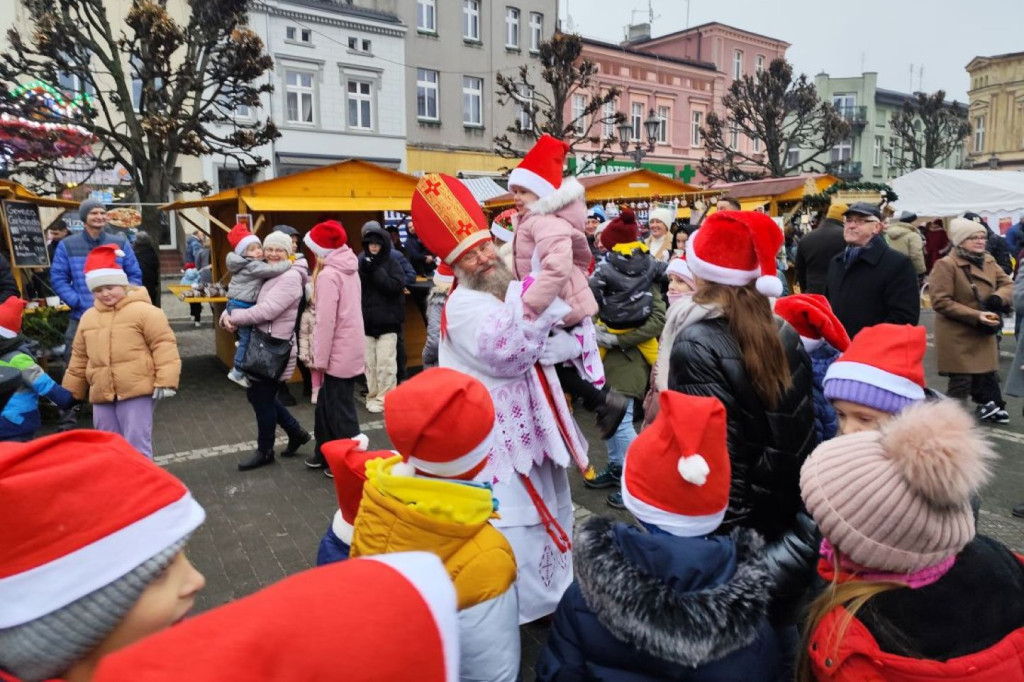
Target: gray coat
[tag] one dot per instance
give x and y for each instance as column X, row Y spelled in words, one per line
column 248, row 275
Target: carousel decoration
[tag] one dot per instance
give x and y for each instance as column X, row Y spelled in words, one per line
column 36, row 135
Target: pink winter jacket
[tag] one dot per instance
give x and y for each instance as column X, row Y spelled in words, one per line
column 551, row 232
column 277, row 308
column 338, row 343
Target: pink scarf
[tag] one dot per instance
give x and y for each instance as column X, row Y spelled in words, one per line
column 848, row 570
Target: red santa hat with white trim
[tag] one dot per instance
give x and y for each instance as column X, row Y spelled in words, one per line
column 347, row 460
column 448, row 218
column 737, row 248
column 677, row 471
column 10, row 317
column 387, row 617
column 541, row 169
column 883, row 368
column 241, row 238
column 89, row 524
column 325, row 237
column 444, row 275
column 812, row 317
column 102, row 269
column 442, row 422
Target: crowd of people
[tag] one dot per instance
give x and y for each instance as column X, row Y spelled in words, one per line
column 804, row 505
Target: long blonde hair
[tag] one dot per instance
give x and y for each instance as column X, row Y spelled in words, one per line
column 752, row 325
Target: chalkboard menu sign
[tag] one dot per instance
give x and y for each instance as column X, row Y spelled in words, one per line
column 28, row 244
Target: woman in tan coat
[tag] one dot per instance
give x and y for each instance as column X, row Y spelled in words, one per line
column 124, row 356
column 969, row 291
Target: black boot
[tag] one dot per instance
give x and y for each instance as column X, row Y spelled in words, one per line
column 257, row 459
column 609, row 414
column 296, row 441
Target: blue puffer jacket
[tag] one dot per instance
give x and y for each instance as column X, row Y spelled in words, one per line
column 20, row 415
column 653, row 606
column 332, row 548
column 826, row 423
column 67, row 274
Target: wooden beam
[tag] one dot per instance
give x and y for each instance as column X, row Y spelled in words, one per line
column 204, row 230
column 259, row 221
column 204, row 211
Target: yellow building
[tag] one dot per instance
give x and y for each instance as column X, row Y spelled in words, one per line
column 997, row 112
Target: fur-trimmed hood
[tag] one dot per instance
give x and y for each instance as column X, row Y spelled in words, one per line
column 570, row 191
column 673, row 608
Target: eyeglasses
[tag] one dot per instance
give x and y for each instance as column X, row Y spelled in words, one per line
column 860, row 219
column 976, row 238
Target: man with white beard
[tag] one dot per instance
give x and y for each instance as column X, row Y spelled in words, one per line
column 485, row 334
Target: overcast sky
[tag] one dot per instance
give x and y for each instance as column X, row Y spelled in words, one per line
column 842, row 39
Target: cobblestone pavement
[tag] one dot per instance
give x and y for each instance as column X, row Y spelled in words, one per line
column 266, row 524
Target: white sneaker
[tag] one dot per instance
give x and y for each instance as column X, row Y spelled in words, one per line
column 239, row 378
column 197, row 324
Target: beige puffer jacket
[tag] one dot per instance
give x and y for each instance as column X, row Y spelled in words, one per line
column 123, row 352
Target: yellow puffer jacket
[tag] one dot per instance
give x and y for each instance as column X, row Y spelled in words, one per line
column 404, row 514
column 123, row 352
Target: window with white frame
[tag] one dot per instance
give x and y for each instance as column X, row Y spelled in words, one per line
column 843, row 150
column 512, row 27
column 579, row 105
column 136, row 68
column 737, row 64
column 792, row 156
column 877, row 152
column 760, row 64
column 636, row 117
column 297, row 34
column 426, row 15
column 359, row 45
column 664, row 116
column 472, row 101
column 536, row 31
column 426, row 94
column 73, row 85
column 979, row 134
column 697, row 120
column 360, row 104
column 522, row 107
column 757, row 144
column 734, row 136
column 299, row 93
column 608, row 120
column 471, row 19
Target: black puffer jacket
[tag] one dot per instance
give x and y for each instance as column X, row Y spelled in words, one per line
column 383, row 285
column 622, row 287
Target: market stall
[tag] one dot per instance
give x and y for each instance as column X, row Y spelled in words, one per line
column 940, row 193
column 24, row 219
column 776, row 196
column 351, row 192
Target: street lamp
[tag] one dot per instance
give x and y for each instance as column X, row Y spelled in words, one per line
column 651, row 125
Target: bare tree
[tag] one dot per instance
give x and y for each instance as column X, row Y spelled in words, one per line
column 566, row 74
column 780, row 112
column 929, row 131
column 159, row 90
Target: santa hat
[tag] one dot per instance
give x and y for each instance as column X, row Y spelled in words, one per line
column 444, row 275
column 677, row 471
column 347, row 460
column 679, row 268
column 541, row 169
column 883, row 368
column 10, row 317
column 90, row 524
column 325, row 237
column 498, row 225
column 622, row 229
column 101, row 268
column 812, row 317
column 353, row 614
column 448, row 218
column 737, row 248
column 442, row 422
column 241, row 238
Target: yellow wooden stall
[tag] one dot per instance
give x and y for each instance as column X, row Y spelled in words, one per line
column 776, row 195
column 352, row 192
column 12, row 191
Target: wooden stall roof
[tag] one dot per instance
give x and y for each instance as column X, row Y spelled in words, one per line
column 12, row 191
column 632, row 184
column 350, row 185
column 779, row 189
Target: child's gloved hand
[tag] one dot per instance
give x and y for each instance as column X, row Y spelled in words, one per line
column 605, row 338
column 161, row 393
column 559, row 347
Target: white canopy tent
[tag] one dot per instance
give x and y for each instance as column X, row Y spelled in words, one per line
column 933, row 192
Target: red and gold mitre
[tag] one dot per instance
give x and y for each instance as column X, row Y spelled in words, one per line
column 448, row 219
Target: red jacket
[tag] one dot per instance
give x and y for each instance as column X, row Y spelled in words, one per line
column 859, row 659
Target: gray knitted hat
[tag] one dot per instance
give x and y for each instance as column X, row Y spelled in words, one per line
column 87, row 206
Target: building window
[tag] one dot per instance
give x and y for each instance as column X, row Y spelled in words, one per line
column 536, row 31
column 426, row 94
column 793, row 157
column 360, row 99
column 471, row 19
column 579, row 105
column 608, row 124
column 737, row 64
column 359, row 45
column 136, row 68
column 522, row 111
column 512, row 27
column 298, row 35
column 760, row 64
column 697, row 122
column 979, row 134
column 844, row 104
column 842, row 151
column 472, row 101
column 877, row 155
column 299, row 96
column 72, row 85
column 426, row 15
column 734, row 137
column 664, row 116
column 637, row 119
column 756, row 142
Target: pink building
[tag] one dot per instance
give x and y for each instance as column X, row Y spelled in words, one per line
column 681, row 77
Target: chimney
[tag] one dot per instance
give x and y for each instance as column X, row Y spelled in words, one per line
column 636, row 33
